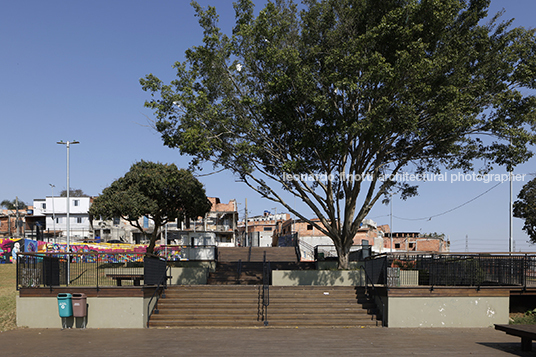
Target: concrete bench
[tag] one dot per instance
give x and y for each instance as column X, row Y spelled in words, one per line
column 526, row 332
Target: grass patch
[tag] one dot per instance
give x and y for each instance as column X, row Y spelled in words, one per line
column 528, row 318
column 8, row 293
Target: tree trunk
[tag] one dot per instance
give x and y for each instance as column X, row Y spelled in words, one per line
column 343, row 256
column 152, row 243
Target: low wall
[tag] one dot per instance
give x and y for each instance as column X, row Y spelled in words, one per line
column 189, row 276
column 102, row 312
column 318, row 277
column 447, row 307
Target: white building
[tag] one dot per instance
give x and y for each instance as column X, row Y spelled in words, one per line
column 55, row 211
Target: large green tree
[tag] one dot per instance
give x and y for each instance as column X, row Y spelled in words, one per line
column 311, row 101
column 525, row 208
column 158, row 191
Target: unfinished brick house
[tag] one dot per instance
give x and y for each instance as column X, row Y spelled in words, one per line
column 217, row 227
column 260, row 229
column 369, row 234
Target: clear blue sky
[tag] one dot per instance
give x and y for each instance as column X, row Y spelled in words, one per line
column 70, row 71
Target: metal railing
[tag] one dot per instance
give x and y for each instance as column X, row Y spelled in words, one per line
column 266, row 274
column 306, row 251
column 36, row 270
column 158, row 293
column 471, row 269
column 238, row 270
column 372, row 294
column 325, row 251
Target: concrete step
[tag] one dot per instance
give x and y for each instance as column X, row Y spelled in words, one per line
column 257, row 254
column 241, row 306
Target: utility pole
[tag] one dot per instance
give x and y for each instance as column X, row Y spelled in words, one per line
column 53, row 214
column 17, row 222
column 246, row 222
column 391, row 224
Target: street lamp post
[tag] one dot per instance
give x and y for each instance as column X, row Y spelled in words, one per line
column 68, row 228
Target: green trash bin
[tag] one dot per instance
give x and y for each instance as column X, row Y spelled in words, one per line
column 65, row 305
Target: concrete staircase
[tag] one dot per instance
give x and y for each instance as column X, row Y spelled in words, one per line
column 256, row 254
column 243, row 265
column 314, row 306
column 209, row 306
column 232, row 273
column 241, row 306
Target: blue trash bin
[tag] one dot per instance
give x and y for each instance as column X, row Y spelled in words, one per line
column 65, row 305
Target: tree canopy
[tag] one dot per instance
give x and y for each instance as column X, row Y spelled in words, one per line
column 73, row 193
column 525, row 208
column 331, row 102
column 158, row 191
column 13, row 204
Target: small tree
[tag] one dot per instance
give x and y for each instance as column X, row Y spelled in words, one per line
column 525, row 208
column 332, row 101
column 13, row 205
column 158, row 191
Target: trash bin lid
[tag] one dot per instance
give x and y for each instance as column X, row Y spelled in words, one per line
column 64, row 296
column 79, row 295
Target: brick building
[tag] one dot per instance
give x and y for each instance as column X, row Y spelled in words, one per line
column 369, row 234
column 260, row 229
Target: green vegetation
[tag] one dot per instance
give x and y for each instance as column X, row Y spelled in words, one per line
column 528, row 318
column 158, row 191
column 8, row 293
column 329, row 101
column 13, row 204
column 525, row 208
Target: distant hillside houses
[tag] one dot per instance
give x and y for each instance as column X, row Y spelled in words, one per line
column 47, row 221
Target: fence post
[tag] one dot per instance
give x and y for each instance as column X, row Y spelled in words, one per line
column 525, row 271
column 97, row 270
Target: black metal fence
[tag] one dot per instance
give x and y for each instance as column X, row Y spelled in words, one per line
column 79, row 269
column 482, row 269
column 329, row 252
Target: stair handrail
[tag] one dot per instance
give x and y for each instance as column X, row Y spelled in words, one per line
column 238, row 269
column 266, row 270
column 162, row 285
column 368, row 278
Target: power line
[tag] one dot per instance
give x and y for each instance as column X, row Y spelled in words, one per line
column 450, row 210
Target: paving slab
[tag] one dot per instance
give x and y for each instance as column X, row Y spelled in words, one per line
column 261, row 342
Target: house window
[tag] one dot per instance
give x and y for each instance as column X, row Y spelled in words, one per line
column 76, row 203
column 397, row 245
column 411, row 245
column 309, row 227
column 116, row 221
column 44, row 206
column 78, row 219
column 267, row 229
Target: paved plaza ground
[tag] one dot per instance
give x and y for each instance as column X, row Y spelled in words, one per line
column 261, row 342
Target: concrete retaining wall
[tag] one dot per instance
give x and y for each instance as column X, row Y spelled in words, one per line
column 447, row 311
column 102, row 312
column 318, row 277
column 189, row 276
